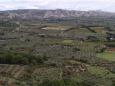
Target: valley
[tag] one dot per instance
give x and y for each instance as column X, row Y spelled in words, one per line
column 53, row 50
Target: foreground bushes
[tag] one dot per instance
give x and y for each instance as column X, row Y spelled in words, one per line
column 75, row 83
column 20, row 58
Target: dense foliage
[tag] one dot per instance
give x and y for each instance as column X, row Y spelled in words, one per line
column 20, row 58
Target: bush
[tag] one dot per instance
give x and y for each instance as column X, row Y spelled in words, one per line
column 21, row 58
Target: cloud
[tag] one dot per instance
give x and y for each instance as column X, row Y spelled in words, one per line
column 107, row 5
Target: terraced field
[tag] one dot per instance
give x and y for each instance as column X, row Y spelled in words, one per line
column 14, row 71
column 38, row 53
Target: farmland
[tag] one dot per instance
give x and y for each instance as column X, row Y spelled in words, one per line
column 109, row 55
column 57, row 52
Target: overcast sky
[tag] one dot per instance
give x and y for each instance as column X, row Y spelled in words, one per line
column 105, row 5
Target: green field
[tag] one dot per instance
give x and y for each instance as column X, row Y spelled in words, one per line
column 108, row 55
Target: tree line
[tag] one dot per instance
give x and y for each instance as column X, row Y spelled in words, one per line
column 21, row 58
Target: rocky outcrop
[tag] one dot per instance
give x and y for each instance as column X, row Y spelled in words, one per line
column 59, row 13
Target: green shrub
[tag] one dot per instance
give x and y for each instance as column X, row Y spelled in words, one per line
column 21, row 58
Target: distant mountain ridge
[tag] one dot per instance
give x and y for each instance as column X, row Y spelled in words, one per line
column 58, row 13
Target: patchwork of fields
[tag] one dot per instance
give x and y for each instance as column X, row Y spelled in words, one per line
column 36, row 53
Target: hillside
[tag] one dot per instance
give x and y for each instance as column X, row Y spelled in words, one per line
column 58, row 13
column 57, row 48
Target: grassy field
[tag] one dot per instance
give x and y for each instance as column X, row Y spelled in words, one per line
column 67, row 41
column 108, row 55
column 100, row 71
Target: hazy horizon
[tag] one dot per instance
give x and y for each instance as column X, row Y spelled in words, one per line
column 81, row 5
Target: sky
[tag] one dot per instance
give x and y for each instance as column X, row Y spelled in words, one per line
column 84, row 5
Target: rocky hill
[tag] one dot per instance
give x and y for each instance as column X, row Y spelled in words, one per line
column 58, row 13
